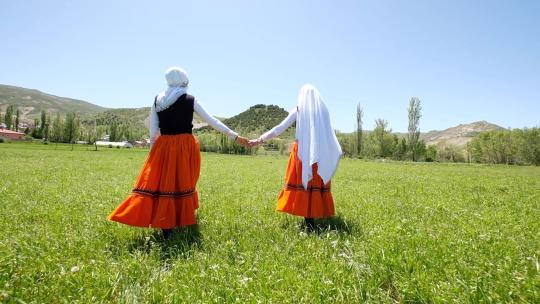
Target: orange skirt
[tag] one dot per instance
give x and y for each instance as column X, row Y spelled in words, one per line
column 314, row 202
column 165, row 194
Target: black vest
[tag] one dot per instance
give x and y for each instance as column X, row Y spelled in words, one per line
column 178, row 117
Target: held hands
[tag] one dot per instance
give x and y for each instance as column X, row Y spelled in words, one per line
column 248, row 143
column 242, row 141
column 255, row 142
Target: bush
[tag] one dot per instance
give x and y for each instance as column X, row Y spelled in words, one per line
column 1, row 140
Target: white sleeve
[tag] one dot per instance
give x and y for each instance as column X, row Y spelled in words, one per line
column 154, row 125
column 275, row 131
column 212, row 121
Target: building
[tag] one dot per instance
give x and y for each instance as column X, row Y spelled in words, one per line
column 121, row 144
column 5, row 133
column 141, row 143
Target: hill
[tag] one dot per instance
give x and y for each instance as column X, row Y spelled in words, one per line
column 135, row 119
column 459, row 135
column 30, row 102
column 256, row 120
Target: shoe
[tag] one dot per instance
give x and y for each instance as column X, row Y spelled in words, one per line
column 167, row 233
column 310, row 224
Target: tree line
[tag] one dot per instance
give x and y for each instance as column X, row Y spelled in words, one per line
column 70, row 128
column 382, row 143
column 12, row 123
column 517, row 146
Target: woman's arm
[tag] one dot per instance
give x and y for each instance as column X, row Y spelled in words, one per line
column 277, row 130
column 154, row 125
column 212, row 121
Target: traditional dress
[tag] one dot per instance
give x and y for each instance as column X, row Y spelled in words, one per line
column 165, row 194
column 313, row 160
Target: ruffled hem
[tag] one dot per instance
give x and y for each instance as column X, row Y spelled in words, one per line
column 306, row 203
column 157, row 211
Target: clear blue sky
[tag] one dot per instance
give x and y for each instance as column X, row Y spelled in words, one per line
column 465, row 60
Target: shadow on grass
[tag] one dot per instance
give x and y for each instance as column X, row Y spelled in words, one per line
column 179, row 244
column 336, row 223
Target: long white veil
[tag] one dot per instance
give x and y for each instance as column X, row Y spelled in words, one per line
column 317, row 142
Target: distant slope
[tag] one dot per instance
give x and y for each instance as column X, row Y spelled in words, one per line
column 459, row 135
column 256, row 120
column 135, row 118
column 31, row 102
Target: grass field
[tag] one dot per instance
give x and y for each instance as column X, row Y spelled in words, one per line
column 405, row 232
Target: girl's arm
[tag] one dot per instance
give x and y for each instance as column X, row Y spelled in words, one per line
column 212, row 121
column 284, row 125
column 154, row 125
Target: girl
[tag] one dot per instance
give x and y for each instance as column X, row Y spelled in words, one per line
column 165, row 194
column 313, row 160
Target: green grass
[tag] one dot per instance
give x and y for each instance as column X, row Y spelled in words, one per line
column 405, row 232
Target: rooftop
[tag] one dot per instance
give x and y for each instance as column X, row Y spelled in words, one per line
column 5, row 131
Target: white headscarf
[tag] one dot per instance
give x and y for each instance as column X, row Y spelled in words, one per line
column 177, row 81
column 317, row 142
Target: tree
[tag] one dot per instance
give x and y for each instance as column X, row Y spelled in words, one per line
column 45, row 131
column 113, row 134
column 431, row 153
column 93, row 135
column 42, row 125
column 17, row 119
column 43, row 120
column 414, row 129
column 346, row 141
column 35, row 131
column 421, row 149
column 401, row 149
column 379, row 134
column 449, row 153
column 57, row 129
column 71, row 128
column 359, row 116
column 8, row 119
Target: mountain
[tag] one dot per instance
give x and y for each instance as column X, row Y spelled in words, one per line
column 256, row 120
column 31, row 102
column 459, row 135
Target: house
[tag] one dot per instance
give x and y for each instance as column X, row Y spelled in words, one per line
column 5, row 133
column 141, row 143
column 120, row 144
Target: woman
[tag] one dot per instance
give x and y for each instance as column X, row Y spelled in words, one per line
column 313, row 160
column 165, row 194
